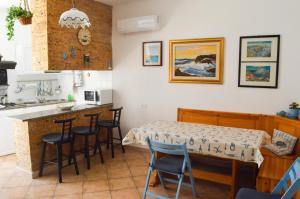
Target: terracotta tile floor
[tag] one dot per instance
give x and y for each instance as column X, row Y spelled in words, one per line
column 119, row 178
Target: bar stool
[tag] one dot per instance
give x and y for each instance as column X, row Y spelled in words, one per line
column 110, row 125
column 86, row 131
column 58, row 139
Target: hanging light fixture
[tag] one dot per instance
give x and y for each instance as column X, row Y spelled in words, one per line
column 74, row 18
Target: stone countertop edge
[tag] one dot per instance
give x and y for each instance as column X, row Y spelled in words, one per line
column 54, row 112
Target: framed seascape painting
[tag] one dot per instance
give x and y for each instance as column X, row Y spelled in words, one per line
column 196, row 61
column 152, row 53
column 259, row 61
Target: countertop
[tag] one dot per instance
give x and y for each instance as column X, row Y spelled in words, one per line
column 32, row 104
column 54, row 112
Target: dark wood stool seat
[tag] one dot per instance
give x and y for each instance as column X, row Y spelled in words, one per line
column 83, row 130
column 58, row 139
column 55, row 138
column 110, row 125
column 86, row 131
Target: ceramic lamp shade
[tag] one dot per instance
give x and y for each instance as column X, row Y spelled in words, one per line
column 74, row 18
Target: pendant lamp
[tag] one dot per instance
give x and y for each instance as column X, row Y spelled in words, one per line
column 74, row 18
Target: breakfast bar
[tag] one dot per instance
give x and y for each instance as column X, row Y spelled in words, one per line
column 29, row 129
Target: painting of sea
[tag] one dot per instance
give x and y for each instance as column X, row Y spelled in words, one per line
column 196, row 61
column 152, row 53
column 258, row 73
column 259, row 61
column 259, row 48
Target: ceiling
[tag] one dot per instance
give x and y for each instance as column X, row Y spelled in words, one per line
column 113, row 2
column 6, row 4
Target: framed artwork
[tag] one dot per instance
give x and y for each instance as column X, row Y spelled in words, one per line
column 259, row 61
column 196, row 61
column 152, row 53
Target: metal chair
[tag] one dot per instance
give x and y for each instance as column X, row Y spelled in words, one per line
column 292, row 175
column 58, row 139
column 110, row 125
column 177, row 164
column 86, row 131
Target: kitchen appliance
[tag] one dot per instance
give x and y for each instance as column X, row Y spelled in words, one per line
column 98, row 96
column 4, row 65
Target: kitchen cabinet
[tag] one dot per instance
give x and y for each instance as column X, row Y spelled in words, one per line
column 50, row 42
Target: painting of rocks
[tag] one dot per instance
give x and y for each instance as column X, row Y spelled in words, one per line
column 197, row 61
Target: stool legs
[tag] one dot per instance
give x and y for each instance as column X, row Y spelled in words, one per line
column 42, row 160
column 74, row 156
column 71, row 150
column 87, row 152
column 120, row 136
column 111, row 141
column 108, row 139
column 97, row 145
column 59, row 161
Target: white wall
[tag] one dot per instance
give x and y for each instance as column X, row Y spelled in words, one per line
column 145, row 92
column 19, row 50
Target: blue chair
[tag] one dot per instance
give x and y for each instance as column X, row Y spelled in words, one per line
column 176, row 164
column 292, row 175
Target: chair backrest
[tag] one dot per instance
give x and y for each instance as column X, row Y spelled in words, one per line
column 170, row 149
column 93, row 121
column 117, row 115
column 292, row 177
column 66, row 127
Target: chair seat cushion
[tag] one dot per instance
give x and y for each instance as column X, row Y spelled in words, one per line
column 169, row 165
column 55, row 138
column 83, row 130
column 246, row 193
column 107, row 124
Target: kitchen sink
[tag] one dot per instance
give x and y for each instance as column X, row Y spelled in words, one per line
column 46, row 102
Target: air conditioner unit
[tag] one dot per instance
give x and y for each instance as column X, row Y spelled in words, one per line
column 139, row 24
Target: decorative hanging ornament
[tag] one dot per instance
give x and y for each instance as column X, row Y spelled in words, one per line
column 74, row 18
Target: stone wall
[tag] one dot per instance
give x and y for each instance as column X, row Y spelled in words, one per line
column 50, row 41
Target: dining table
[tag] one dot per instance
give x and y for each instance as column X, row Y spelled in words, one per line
column 230, row 143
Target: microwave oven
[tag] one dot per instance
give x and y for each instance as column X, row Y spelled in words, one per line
column 98, row 97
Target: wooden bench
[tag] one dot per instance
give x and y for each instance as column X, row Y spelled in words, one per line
column 273, row 166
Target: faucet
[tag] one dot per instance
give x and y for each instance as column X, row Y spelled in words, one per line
column 3, row 99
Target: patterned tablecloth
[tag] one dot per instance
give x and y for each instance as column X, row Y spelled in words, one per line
column 226, row 142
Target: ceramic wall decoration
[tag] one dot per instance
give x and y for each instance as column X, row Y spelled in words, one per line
column 196, row 61
column 65, row 56
column 72, row 52
column 259, row 61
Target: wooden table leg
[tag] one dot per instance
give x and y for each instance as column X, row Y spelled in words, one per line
column 154, row 179
column 234, row 174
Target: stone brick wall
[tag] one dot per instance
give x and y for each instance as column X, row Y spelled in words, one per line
column 50, row 41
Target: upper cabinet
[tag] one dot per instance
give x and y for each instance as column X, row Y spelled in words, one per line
column 56, row 48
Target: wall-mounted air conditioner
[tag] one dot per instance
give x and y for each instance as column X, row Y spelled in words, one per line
column 138, row 24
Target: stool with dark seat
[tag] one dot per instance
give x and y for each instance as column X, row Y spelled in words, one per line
column 86, row 131
column 58, row 139
column 110, row 125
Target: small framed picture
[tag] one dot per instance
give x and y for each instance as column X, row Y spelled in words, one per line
column 152, row 53
column 259, row 61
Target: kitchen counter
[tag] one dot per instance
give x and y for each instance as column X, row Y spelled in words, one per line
column 32, row 104
column 55, row 112
column 32, row 126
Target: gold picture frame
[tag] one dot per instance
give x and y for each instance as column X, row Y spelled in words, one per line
column 196, row 61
